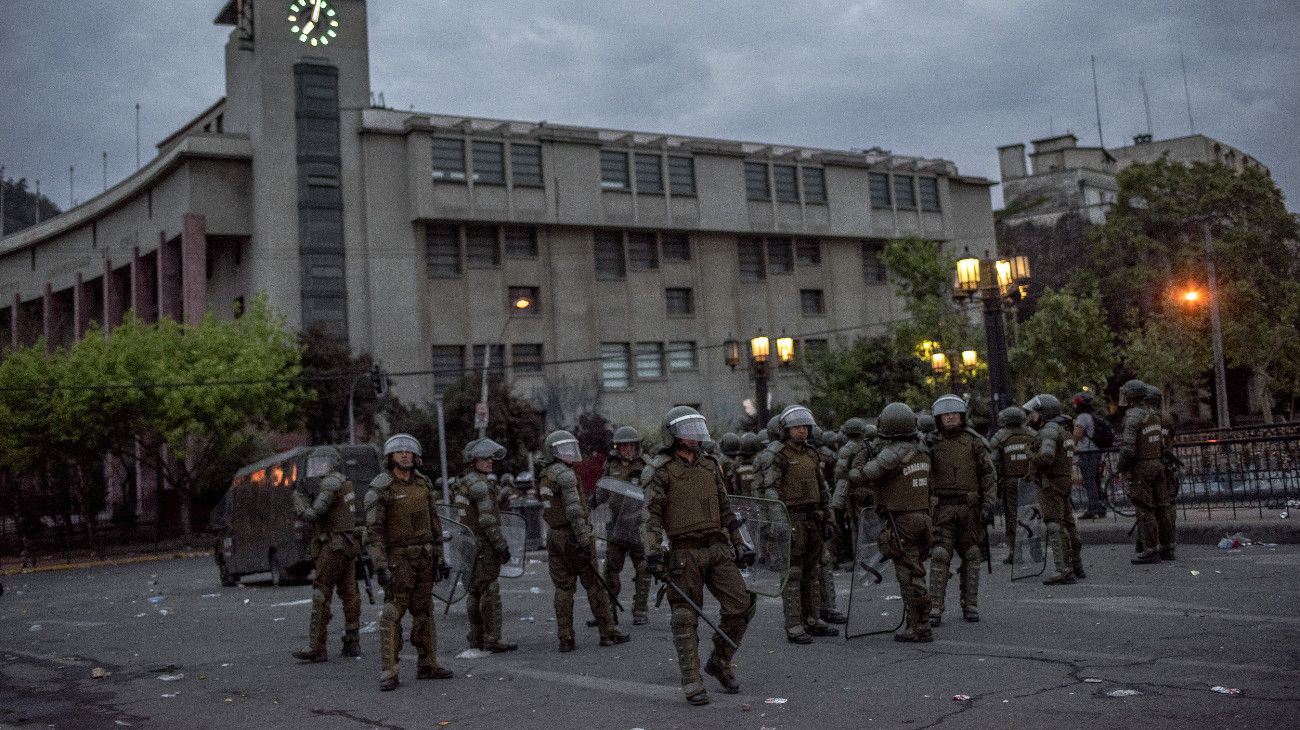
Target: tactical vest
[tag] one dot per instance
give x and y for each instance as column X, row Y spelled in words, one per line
column 799, row 488
column 1150, row 442
column 342, row 516
column 692, row 497
column 908, row 488
column 554, row 513
column 745, row 474
column 472, row 514
column 1061, row 471
column 953, row 464
column 628, row 471
column 1016, row 455
column 408, row 521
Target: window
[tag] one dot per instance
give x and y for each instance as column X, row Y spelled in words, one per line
column 526, row 358
column 780, row 256
column 676, row 246
column 609, row 256
column 751, row 259
column 481, row 246
column 808, row 251
column 531, row 293
column 489, row 163
column 448, row 366
column 756, row 187
column 879, row 190
column 873, row 268
column 929, row 188
column 681, row 356
column 787, row 183
column 681, row 302
column 448, row 159
column 521, row 242
column 442, row 251
column 615, row 365
column 526, row 165
column 613, row 170
column 649, row 174
column 681, row 175
column 814, row 348
column 812, row 302
column 814, row 185
column 904, row 197
column 496, row 359
column 649, row 360
column 642, row 251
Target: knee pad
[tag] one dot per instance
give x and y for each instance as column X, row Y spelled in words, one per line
column 940, row 554
column 972, row 555
column 683, row 620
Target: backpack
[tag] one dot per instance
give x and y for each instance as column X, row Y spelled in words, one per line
column 1102, row 434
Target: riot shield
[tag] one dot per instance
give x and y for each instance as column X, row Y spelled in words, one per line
column 765, row 528
column 875, row 606
column 458, row 549
column 515, row 531
column 1029, row 559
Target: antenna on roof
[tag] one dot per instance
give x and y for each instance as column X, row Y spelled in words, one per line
column 1187, row 90
column 1096, row 101
column 1146, row 100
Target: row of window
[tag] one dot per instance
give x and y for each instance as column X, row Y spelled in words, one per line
column 898, row 191
column 650, row 360
column 760, row 256
column 449, row 361
column 653, row 173
column 617, row 251
column 450, row 248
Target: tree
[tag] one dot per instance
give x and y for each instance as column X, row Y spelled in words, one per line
column 1169, row 352
column 325, row 414
column 20, row 206
column 1064, row 346
column 859, row 378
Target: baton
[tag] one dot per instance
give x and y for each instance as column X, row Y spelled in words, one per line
column 595, row 570
column 698, row 611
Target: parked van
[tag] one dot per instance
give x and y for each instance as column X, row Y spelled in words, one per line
column 257, row 531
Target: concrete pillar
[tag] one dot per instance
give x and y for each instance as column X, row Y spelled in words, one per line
column 47, row 316
column 80, row 309
column 167, row 262
column 144, row 278
column 115, row 298
column 194, row 267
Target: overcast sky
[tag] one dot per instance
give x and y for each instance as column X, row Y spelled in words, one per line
column 936, row 79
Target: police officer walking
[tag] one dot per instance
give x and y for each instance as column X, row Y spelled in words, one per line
column 1139, row 457
column 899, row 478
column 1171, row 466
column 626, row 465
column 334, row 546
column 1012, row 448
column 1054, row 464
column 795, row 477
column 570, row 545
column 687, row 505
column 404, row 536
column 483, row 517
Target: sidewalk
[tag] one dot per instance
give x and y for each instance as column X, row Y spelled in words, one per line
column 11, row 565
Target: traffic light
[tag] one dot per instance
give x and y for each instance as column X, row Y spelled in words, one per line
column 379, row 379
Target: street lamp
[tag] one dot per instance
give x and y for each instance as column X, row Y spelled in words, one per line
column 520, row 304
column 997, row 282
column 760, row 357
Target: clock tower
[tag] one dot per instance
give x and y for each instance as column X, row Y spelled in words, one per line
column 297, row 80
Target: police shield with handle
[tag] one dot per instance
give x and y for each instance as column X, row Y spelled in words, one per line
column 688, row 510
column 619, row 495
column 1013, row 448
column 1053, row 459
column 483, row 517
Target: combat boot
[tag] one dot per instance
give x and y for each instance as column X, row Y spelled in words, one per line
column 915, row 636
column 798, row 636
column 1010, row 558
column 936, row 618
column 566, row 646
column 614, row 637
column 821, row 628
column 1167, row 552
column 311, row 655
column 388, row 684
column 351, row 644
column 1079, row 572
column 696, row 694
column 640, row 619
column 721, row 670
column 970, row 613
column 1146, row 558
column 832, row 616
column 1061, row 579
column 499, row 647
column 433, row 672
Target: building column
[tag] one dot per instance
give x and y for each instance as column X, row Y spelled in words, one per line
column 167, row 264
column 80, row 309
column 143, row 286
column 47, row 316
column 114, row 299
column 194, row 267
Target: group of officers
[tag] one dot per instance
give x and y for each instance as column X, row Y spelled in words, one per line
column 934, row 486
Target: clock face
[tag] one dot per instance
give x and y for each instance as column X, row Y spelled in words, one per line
column 313, row 21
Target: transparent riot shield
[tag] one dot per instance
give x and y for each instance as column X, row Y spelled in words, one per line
column 1029, row 559
column 515, row 531
column 875, row 606
column 458, row 549
column 765, row 527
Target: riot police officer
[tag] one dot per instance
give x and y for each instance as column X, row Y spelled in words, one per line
column 334, row 546
column 746, row 485
column 898, row 476
column 483, row 517
column 1054, row 465
column 624, row 537
column 404, row 536
column 570, row 546
column 687, row 505
column 1172, row 467
column 795, row 477
column 1012, row 451
column 963, row 484
column 1141, row 447
column 925, row 425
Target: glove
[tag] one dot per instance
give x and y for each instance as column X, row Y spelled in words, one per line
column 654, row 564
column 441, row 571
column 744, row 555
column 503, row 555
column 383, row 577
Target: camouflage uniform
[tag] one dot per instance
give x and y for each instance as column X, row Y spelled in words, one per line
column 335, row 547
column 1011, row 452
column 483, row 604
column 1053, row 465
column 617, row 551
column 826, row 569
column 794, row 476
column 963, row 484
column 1139, row 456
column 404, row 536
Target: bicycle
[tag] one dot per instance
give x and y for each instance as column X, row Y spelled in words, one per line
column 1115, row 491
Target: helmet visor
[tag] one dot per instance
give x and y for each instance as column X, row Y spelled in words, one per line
column 567, row 450
column 319, row 466
column 691, row 427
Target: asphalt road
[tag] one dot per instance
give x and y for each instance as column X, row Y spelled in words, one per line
column 1041, row 657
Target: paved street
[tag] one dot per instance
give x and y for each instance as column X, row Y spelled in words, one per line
column 1042, row 656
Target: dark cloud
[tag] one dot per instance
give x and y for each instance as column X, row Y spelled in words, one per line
column 950, row 80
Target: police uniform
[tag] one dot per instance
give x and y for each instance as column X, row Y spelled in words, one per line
column 1012, row 448
column 335, row 546
column 483, row 603
column 619, row 548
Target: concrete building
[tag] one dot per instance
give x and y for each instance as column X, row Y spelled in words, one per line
column 1063, row 177
column 411, row 234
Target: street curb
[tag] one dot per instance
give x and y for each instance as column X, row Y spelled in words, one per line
column 1201, row 532
column 55, row 567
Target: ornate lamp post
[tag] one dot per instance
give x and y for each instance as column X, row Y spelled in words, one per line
column 997, row 282
column 760, row 353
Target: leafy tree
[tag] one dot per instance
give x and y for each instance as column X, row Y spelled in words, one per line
column 20, row 205
column 1064, row 346
column 325, row 414
column 859, row 378
column 1169, row 351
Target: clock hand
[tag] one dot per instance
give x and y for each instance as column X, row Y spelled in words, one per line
column 306, row 29
column 315, row 12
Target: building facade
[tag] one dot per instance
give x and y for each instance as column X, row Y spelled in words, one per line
column 414, row 235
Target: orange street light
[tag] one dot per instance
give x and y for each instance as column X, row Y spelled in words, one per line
column 1191, row 296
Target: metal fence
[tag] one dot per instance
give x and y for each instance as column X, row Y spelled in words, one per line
column 1253, row 432
column 1235, row 477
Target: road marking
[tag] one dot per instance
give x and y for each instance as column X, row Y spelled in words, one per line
column 302, row 602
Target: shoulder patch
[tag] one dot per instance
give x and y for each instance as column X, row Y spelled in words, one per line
column 384, row 480
column 658, row 460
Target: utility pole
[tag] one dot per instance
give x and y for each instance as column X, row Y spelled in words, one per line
column 2, row 201
column 1096, row 101
column 104, row 158
column 38, row 201
column 1216, row 334
column 137, row 135
column 72, row 190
